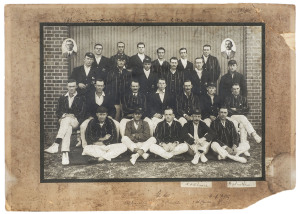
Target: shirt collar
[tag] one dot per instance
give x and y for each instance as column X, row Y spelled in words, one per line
column 200, row 71
column 146, row 71
column 67, row 94
column 169, row 123
column 103, row 94
column 158, row 91
column 141, row 54
column 205, row 56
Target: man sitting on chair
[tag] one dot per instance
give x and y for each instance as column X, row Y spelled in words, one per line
column 168, row 137
column 238, row 108
column 226, row 142
column 186, row 102
column 198, row 137
column 101, row 137
column 137, row 136
column 70, row 113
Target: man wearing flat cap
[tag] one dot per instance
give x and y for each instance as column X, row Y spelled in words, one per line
column 101, row 137
column 198, row 137
column 118, row 84
column 137, row 136
column 227, row 81
column 85, row 75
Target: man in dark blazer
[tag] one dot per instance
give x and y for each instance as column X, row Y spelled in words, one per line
column 199, row 77
column 136, row 61
column 183, row 64
column 118, row 84
column 228, row 53
column 227, row 81
column 168, row 137
column 93, row 101
column 137, row 136
column 174, row 78
column 198, row 137
column 70, row 113
column 210, row 104
column 101, row 63
column 148, row 81
column 238, row 108
column 85, row 75
column 226, row 139
column 160, row 100
column 120, row 53
column 160, row 65
column 101, row 136
column 211, row 64
column 132, row 100
column 186, row 103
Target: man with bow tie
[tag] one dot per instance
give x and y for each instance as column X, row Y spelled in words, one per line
column 70, row 113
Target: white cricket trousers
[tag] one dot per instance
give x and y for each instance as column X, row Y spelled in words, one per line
column 65, row 132
column 165, row 152
column 139, row 145
column 107, row 152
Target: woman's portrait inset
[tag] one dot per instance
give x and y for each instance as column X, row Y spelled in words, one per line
column 69, row 48
column 228, row 48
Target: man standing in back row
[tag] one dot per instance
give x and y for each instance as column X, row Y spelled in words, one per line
column 136, row 61
column 120, row 53
column 211, row 64
column 160, row 65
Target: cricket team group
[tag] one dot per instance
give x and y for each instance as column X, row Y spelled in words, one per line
column 164, row 107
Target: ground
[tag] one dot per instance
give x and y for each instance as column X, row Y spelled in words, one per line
column 83, row 167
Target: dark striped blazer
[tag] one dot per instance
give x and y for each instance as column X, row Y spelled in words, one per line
column 225, row 135
column 94, row 131
column 212, row 67
column 165, row 133
column 203, row 131
column 174, row 82
column 130, row 103
column 77, row 108
column 186, row 105
column 118, row 84
column 208, row 108
column 114, row 59
column 160, row 70
column 239, row 102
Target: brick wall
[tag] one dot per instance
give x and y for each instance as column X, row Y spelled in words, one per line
column 253, row 64
column 55, row 73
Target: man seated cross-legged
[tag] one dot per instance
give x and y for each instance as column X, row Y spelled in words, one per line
column 168, row 137
column 226, row 141
column 101, row 137
column 198, row 136
column 137, row 136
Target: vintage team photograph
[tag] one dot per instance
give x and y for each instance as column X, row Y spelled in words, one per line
column 152, row 102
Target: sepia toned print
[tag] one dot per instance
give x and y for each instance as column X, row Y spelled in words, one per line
column 171, row 108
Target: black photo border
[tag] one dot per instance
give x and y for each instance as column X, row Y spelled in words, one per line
column 43, row 180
